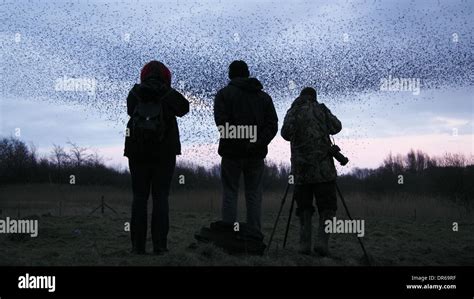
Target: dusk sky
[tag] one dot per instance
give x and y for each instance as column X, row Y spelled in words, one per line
column 348, row 50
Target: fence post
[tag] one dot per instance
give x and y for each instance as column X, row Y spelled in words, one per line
column 60, row 207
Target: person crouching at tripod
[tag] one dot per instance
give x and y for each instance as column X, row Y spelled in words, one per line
column 307, row 126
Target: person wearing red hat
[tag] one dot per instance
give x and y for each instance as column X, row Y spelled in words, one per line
column 151, row 145
column 156, row 68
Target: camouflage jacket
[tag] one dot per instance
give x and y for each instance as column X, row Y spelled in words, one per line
column 307, row 126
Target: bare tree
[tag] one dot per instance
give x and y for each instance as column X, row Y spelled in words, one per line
column 361, row 173
column 95, row 159
column 59, row 156
column 79, row 154
column 411, row 161
column 394, row 164
column 33, row 154
column 450, row 159
column 387, row 164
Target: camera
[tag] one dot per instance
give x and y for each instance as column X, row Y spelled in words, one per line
column 335, row 152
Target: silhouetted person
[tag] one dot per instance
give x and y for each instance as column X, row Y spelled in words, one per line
column 307, row 126
column 243, row 105
column 151, row 146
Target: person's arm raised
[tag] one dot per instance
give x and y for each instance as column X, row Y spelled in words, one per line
column 333, row 123
column 288, row 129
column 177, row 103
column 270, row 125
column 220, row 113
column 132, row 100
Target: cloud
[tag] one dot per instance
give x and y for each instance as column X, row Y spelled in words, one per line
column 371, row 128
column 450, row 122
column 47, row 123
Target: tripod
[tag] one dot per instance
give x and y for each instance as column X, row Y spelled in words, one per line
column 291, row 213
column 350, row 218
column 278, row 216
column 102, row 207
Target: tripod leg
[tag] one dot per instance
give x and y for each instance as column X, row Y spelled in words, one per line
column 278, row 216
column 289, row 221
column 110, row 208
column 349, row 215
column 94, row 210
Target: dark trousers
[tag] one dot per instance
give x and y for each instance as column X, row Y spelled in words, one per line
column 325, row 194
column 157, row 177
column 252, row 170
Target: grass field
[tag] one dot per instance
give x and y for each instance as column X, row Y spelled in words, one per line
column 400, row 230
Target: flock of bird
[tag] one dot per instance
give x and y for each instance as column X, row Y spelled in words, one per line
column 343, row 48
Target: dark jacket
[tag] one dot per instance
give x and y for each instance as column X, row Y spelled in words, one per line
column 242, row 102
column 307, row 126
column 174, row 104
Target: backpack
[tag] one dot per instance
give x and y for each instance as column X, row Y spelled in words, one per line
column 147, row 126
column 248, row 240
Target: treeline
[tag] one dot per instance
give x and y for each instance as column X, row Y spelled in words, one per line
column 451, row 175
column 20, row 163
column 275, row 177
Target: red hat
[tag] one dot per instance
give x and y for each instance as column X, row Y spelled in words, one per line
column 156, row 68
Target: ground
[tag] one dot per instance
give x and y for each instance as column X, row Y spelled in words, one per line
column 410, row 232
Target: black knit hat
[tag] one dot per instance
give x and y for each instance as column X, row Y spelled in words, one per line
column 238, row 68
column 308, row 91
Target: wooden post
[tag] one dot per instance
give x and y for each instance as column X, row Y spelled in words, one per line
column 211, row 206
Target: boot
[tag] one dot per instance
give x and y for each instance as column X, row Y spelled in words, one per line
column 322, row 243
column 305, row 232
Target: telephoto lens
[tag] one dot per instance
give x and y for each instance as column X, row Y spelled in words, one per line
column 335, row 151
